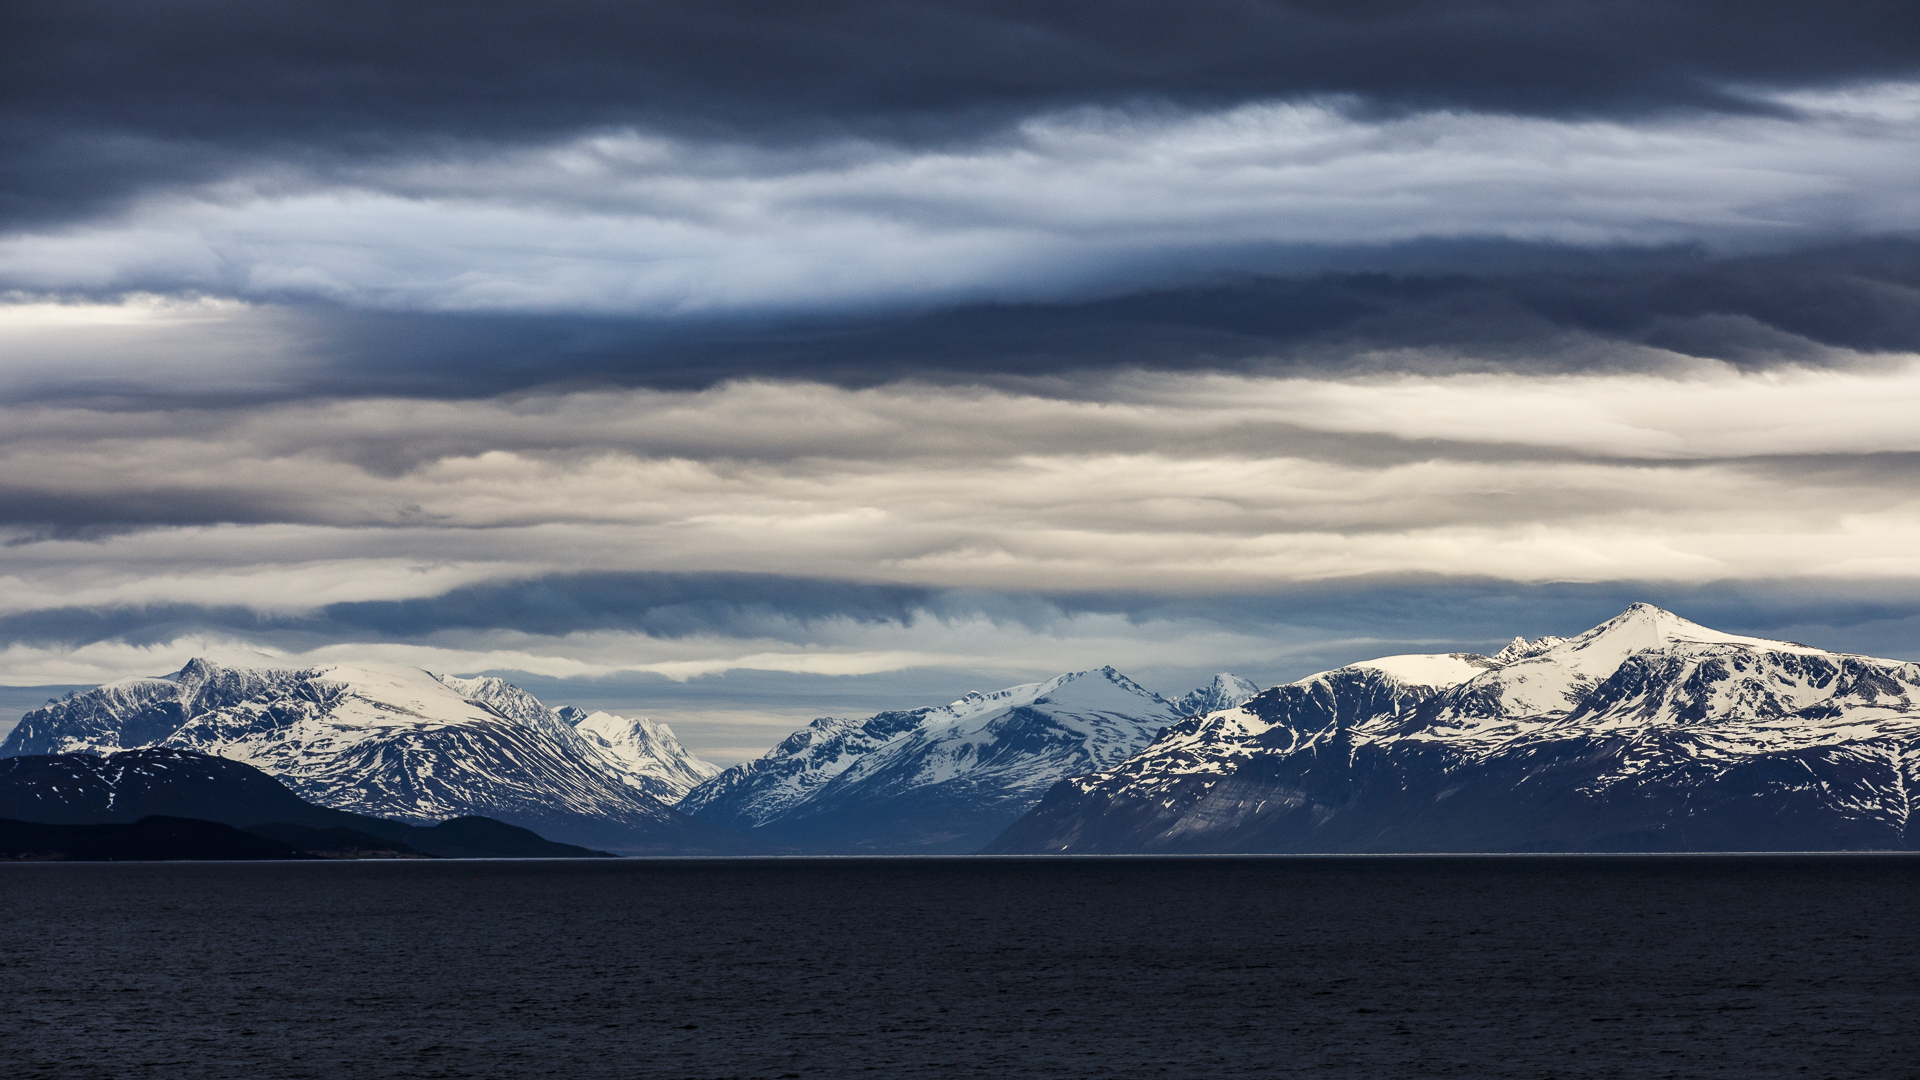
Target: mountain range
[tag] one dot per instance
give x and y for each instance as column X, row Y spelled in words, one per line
column 385, row 740
column 941, row 779
column 1646, row 733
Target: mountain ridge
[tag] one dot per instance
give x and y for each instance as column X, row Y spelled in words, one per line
column 384, row 740
column 939, row 779
column 1647, row 732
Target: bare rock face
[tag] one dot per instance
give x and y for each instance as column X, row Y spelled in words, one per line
column 1646, row 733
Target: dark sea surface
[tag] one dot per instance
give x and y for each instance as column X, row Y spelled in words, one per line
column 1790, row 966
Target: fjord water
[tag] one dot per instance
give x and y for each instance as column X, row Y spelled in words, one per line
column 1344, row 967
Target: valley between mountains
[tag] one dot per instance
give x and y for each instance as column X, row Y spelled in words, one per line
column 1646, row 733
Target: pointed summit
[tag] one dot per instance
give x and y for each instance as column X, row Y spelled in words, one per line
column 1226, row 691
column 645, row 752
column 1643, row 626
column 1637, row 629
column 1648, row 732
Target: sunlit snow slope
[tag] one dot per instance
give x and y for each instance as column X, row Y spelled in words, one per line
column 383, row 740
column 644, row 752
column 1646, row 733
column 943, row 779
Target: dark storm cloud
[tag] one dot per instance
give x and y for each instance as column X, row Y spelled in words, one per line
column 138, row 626
column 106, row 98
column 663, row 605
column 1755, row 310
column 1432, row 307
column 1414, row 613
column 656, row 604
column 46, row 515
column 1514, row 308
column 1352, row 620
column 1470, row 613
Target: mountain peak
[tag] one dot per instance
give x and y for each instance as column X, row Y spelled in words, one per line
column 1641, row 613
column 1077, row 687
column 1095, row 683
column 935, row 780
column 1648, row 732
column 1224, row 692
column 1643, row 626
column 644, row 751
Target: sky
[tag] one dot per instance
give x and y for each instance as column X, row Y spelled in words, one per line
column 740, row 363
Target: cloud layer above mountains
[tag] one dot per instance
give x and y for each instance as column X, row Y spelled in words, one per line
column 851, row 338
column 111, row 98
column 1153, row 483
column 624, row 223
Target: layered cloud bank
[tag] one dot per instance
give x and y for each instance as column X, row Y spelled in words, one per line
column 849, row 341
column 1154, row 484
column 625, row 222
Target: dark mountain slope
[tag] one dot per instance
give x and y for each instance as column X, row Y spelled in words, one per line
column 154, row 838
column 73, row 789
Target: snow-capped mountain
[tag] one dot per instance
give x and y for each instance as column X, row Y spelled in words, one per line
column 1646, row 733
column 511, row 702
column 381, row 740
column 644, row 753
column 1226, row 691
column 943, row 779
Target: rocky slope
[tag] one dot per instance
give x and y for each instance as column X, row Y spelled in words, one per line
column 85, row 788
column 149, row 839
column 132, row 785
column 1646, row 733
column 937, row 780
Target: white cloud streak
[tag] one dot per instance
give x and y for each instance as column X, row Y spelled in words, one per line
column 1156, row 482
column 631, row 222
column 841, row 647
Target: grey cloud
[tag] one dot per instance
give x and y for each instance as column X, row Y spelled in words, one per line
column 1426, row 307
column 106, row 97
column 49, row 514
column 661, row 605
column 1753, row 311
column 656, row 604
column 138, row 626
column 937, row 340
column 1176, row 482
column 1331, row 623
column 1078, row 203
